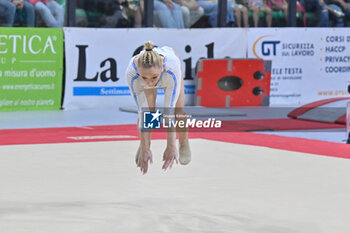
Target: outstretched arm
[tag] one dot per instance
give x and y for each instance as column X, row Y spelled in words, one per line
column 145, row 153
column 171, row 96
column 145, row 156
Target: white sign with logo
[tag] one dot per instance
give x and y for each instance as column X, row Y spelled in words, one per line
column 307, row 64
column 96, row 59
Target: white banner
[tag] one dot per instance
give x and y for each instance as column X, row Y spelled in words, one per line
column 96, row 59
column 307, row 64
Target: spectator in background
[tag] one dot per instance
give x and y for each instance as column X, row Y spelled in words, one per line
column 168, row 14
column 191, row 11
column 50, row 11
column 111, row 14
column 131, row 12
column 257, row 6
column 25, row 12
column 7, row 11
column 121, row 13
column 338, row 9
column 346, row 9
column 81, row 18
column 240, row 12
column 279, row 5
column 319, row 8
column 211, row 10
column 20, row 11
column 135, row 11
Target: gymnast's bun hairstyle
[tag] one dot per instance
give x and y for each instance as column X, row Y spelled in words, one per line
column 149, row 58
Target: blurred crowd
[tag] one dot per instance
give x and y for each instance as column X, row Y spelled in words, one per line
column 174, row 13
column 30, row 13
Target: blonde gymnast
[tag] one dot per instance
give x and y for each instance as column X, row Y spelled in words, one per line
column 157, row 68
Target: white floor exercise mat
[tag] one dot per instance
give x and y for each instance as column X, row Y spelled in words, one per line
column 95, row 187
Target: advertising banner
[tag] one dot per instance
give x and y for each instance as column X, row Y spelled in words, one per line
column 307, row 64
column 348, row 123
column 96, row 59
column 31, row 69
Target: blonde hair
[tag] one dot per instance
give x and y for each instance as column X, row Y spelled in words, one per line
column 149, row 58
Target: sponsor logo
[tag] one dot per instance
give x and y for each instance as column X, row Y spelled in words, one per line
column 268, row 47
column 117, row 90
column 151, row 120
column 28, row 44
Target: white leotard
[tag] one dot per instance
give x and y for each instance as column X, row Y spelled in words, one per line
column 170, row 78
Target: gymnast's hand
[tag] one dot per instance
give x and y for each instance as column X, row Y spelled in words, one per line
column 170, row 155
column 144, row 158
